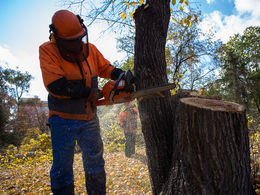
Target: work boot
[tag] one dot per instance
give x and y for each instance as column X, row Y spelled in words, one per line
column 66, row 190
column 96, row 183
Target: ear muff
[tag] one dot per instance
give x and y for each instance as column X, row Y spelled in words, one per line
column 52, row 32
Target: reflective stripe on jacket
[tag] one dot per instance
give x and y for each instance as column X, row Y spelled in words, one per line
column 56, row 70
column 128, row 120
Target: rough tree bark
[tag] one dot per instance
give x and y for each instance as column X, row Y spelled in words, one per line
column 211, row 149
column 156, row 115
column 209, row 159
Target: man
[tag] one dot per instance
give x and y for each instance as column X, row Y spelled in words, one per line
column 70, row 69
column 128, row 121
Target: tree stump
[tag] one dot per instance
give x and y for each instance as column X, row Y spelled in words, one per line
column 211, row 154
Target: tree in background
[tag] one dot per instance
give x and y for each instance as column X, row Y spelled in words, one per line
column 33, row 114
column 18, row 83
column 14, row 84
column 190, row 54
column 239, row 77
column 3, row 102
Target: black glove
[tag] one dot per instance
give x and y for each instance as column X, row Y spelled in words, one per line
column 94, row 95
column 129, row 81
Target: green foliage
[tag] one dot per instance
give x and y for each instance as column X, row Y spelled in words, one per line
column 129, row 64
column 3, row 117
column 18, row 82
column 239, row 60
column 6, row 102
column 13, row 84
column 7, row 138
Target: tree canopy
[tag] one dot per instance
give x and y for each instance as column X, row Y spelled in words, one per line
column 239, row 75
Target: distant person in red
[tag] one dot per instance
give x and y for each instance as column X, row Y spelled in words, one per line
column 128, row 121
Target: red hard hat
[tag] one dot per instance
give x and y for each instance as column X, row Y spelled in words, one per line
column 67, row 25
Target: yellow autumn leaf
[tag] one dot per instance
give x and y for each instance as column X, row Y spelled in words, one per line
column 173, row 19
column 185, row 3
column 123, row 15
column 181, row 8
column 181, row 1
column 127, row 4
column 196, row 18
column 173, row 2
column 181, row 23
column 189, row 17
column 141, row 1
column 173, row 92
column 132, row 14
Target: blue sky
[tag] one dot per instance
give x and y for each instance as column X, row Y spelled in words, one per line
column 24, row 26
column 226, row 7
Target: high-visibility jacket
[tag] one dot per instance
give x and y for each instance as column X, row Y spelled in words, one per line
column 69, row 83
column 128, row 120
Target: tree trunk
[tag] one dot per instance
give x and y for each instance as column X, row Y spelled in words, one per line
column 189, row 151
column 212, row 149
column 156, row 115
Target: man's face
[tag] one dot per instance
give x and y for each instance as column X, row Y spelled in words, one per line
column 71, row 46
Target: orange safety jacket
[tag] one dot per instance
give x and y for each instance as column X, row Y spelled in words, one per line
column 69, row 83
column 128, row 120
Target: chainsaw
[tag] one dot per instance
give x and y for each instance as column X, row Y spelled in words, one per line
column 114, row 92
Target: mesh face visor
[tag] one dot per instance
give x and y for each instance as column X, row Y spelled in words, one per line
column 74, row 38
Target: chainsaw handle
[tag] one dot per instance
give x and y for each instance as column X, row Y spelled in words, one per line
column 115, row 87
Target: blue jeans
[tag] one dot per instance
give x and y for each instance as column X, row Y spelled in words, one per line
column 64, row 134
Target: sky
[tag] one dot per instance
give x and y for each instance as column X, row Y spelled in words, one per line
column 24, row 26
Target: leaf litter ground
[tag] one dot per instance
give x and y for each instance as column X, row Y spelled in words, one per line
column 124, row 175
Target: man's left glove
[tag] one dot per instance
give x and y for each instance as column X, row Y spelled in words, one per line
column 129, row 81
column 125, row 75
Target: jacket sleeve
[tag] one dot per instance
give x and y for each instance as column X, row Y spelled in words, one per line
column 54, row 78
column 105, row 69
